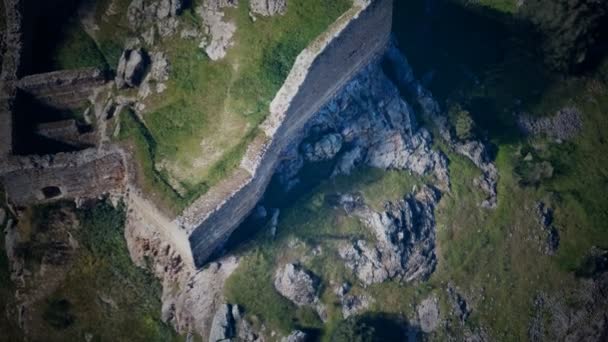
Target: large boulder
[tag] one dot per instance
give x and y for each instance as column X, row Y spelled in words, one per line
column 297, row 284
column 268, row 7
column 131, row 68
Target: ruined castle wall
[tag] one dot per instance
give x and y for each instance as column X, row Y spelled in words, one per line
column 319, row 72
column 65, row 88
column 85, row 174
column 11, row 61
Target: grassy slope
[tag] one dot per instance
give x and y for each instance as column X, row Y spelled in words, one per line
column 101, row 268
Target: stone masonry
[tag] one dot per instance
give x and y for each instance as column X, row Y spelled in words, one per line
column 354, row 40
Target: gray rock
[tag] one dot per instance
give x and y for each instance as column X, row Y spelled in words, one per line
column 297, row 285
column 220, row 31
column 295, row 336
column 324, row 149
column 428, row 314
column 268, row 7
column 168, row 8
column 405, row 239
column 223, row 326
column 131, row 68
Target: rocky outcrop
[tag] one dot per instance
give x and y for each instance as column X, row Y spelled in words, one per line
column 564, row 125
column 219, row 31
column 428, row 314
column 367, row 124
column 131, row 68
column 268, row 7
column 405, row 239
column 297, row 284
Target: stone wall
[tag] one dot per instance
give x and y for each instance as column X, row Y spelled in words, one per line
column 356, row 39
column 64, row 88
column 85, row 174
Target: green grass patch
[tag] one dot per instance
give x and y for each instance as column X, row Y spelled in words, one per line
column 76, row 49
column 104, row 294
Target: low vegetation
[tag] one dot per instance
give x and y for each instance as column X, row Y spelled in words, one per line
column 100, row 293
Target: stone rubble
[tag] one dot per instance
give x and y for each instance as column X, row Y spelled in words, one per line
column 564, row 125
column 405, row 239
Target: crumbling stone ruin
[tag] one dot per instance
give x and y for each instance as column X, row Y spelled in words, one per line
column 78, row 165
column 83, row 164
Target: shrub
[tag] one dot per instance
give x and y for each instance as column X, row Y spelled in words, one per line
column 463, row 122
